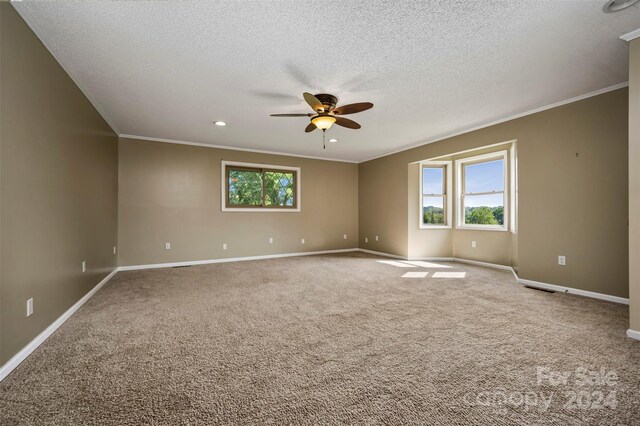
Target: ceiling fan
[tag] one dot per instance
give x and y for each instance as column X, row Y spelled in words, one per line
column 326, row 114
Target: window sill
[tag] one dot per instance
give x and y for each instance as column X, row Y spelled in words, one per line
column 431, row 227
column 483, row 228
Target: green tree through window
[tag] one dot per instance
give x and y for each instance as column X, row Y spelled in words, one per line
column 483, row 194
column 248, row 187
column 245, row 187
column 433, row 215
column 434, row 194
column 484, row 215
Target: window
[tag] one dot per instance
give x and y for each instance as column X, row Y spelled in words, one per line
column 435, row 204
column 513, row 187
column 482, row 182
column 251, row 187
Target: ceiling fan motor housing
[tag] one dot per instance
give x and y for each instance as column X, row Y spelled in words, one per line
column 329, row 101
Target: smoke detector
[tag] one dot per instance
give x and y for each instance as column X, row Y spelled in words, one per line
column 618, row 5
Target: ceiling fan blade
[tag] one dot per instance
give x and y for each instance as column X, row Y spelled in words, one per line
column 345, row 122
column 310, row 128
column 352, row 108
column 313, row 102
column 291, row 115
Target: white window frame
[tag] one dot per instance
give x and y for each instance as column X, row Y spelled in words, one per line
column 448, row 204
column 223, row 181
column 513, row 187
column 493, row 156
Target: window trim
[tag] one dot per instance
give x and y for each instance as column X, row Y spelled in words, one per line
column 477, row 159
column 447, row 165
column 261, row 167
column 513, row 187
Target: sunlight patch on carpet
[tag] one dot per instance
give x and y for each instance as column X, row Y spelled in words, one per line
column 449, row 274
column 415, row 275
column 423, row 264
column 394, row 263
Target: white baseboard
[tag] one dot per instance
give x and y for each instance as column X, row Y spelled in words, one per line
column 633, row 334
column 10, row 365
column 570, row 290
column 397, row 256
column 380, row 253
column 231, row 259
column 440, row 259
column 487, row 264
column 529, row 283
column 434, row 259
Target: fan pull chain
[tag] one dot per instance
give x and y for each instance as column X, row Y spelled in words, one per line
column 324, row 132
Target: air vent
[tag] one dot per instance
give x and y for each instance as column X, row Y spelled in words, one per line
column 618, row 5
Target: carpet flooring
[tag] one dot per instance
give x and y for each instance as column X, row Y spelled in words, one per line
column 330, row 339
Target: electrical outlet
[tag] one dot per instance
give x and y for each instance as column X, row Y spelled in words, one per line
column 224, row 246
column 473, row 244
column 114, row 249
column 84, row 266
column 376, row 238
column 302, row 241
column 167, row 246
column 30, row 307
column 270, row 240
column 344, row 236
column 562, row 260
column 366, row 240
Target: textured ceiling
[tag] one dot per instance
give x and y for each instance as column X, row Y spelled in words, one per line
column 169, row 69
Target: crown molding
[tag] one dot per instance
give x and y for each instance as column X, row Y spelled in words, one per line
column 405, row 148
column 631, row 36
column 503, row 120
column 231, row 148
column 29, row 20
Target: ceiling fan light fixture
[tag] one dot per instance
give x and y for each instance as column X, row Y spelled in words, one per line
column 323, row 122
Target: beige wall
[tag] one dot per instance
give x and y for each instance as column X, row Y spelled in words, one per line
column 172, row 193
column 568, row 205
column 634, row 183
column 492, row 247
column 58, row 188
column 60, row 164
column 382, row 206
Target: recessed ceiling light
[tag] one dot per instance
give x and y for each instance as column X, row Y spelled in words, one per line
column 333, row 140
column 618, row 5
column 220, row 123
